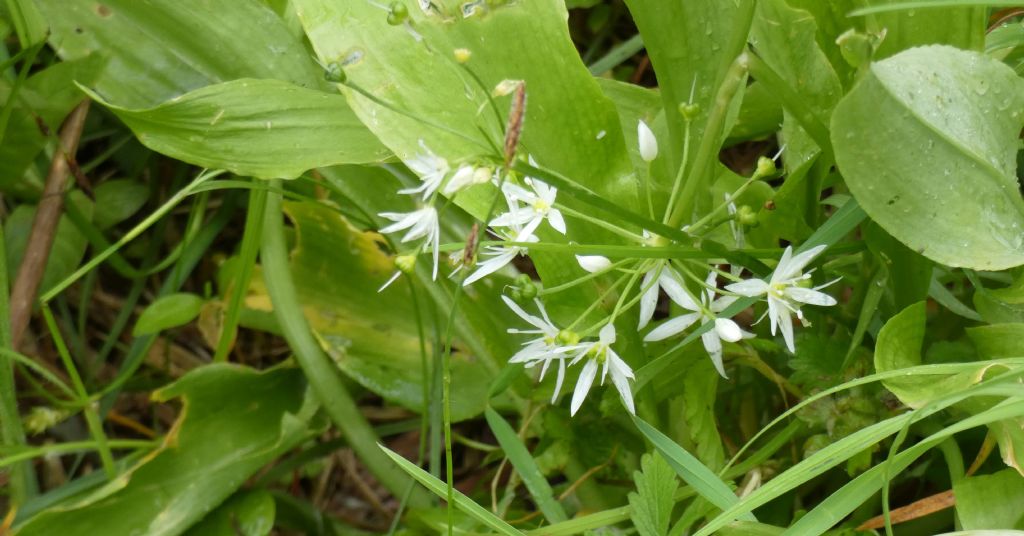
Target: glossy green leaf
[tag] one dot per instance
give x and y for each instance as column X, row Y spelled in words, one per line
column 652, row 502
column 233, row 422
column 526, row 466
column 991, row 501
column 168, row 312
column 940, row 173
column 156, row 51
column 259, row 128
column 998, row 340
column 956, row 23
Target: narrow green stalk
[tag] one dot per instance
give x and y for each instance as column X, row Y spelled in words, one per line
column 246, row 262
column 601, row 223
column 583, row 279
column 15, row 357
column 679, row 174
column 92, row 418
column 12, row 96
column 76, row 446
column 717, row 210
column 23, row 483
column 320, row 371
column 617, row 55
column 708, row 149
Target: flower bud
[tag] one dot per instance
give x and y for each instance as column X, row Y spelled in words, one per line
column 397, row 14
column 462, row 55
column 648, row 143
column 689, row 110
column 406, row 263
column 593, row 263
column 335, row 73
column 765, row 167
column 746, row 215
column 568, row 338
column 506, row 87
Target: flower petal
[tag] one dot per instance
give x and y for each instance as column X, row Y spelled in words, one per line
column 649, row 299
column 532, row 320
column 728, row 330
column 490, row 266
column 556, row 220
column 620, row 378
column 672, row 327
column 714, row 347
column 583, row 384
column 669, row 281
column 750, row 288
column 811, row 296
column 796, row 264
column 607, row 334
column 593, row 263
column 786, row 327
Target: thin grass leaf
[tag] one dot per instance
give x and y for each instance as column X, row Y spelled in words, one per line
column 927, row 4
column 525, row 465
column 703, row 480
column 462, row 502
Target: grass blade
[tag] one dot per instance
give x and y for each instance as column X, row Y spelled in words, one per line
column 525, row 465
column 703, row 480
column 462, row 502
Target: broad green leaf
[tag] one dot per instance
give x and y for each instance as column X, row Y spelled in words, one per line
column 68, row 248
column 247, row 513
column 260, row 128
column 42, row 103
column 939, row 174
column 962, row 27
column 168, row 312
column 991, row 501
column 652, row 502
column 998, row 340
column 909, row 273
column 1000, row 305
column 690, row 45
column 526, row 466
column 786, row 39
column 700, row 389
column 703, row 480
column 462, row 502
column 372, row 336
column 759, row 117
column 234, row 421
column 158, row 50
column 117, row 200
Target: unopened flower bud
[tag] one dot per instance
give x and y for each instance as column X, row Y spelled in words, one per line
column 335, row 73
column 568, row 338
column 746, row 215
column 397, row 13
column 648, row 143
column 406, row 263
column 765, row 167
column 689, row 110
column 506, row 87
column 462, row 55
column 593, row 263
column 804, row 282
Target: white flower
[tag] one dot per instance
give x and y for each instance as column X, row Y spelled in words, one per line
column 724, row 328
column 465, row 177
column 421, row 223
column 431, row 170
column 600, row 354
column 648, row 143
column 663, row 277
column 499, row 256
column 593, row 263
column 784, row 293
column 540, row 206
column 550, row 345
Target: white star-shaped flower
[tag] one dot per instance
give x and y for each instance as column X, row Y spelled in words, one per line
column 540, row 206
column 431, row 170
column 784, row 292
column 420, row 223
column 550, row 345
column 599, row 353
column 724, row 328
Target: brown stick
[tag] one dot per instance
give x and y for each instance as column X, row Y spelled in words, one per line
column 914, row 510
column 44, row 226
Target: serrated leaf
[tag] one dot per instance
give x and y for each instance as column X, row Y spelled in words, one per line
column 652, row 502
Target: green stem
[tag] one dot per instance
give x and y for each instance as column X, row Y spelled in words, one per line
column 320, row 371
column 23, row 483
column 710, row 142
column 583, row 279
column 240, row 283
column 679, row 174
column 76, row 446
column 92, row 418
column 617, row 55
column 602, row 223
